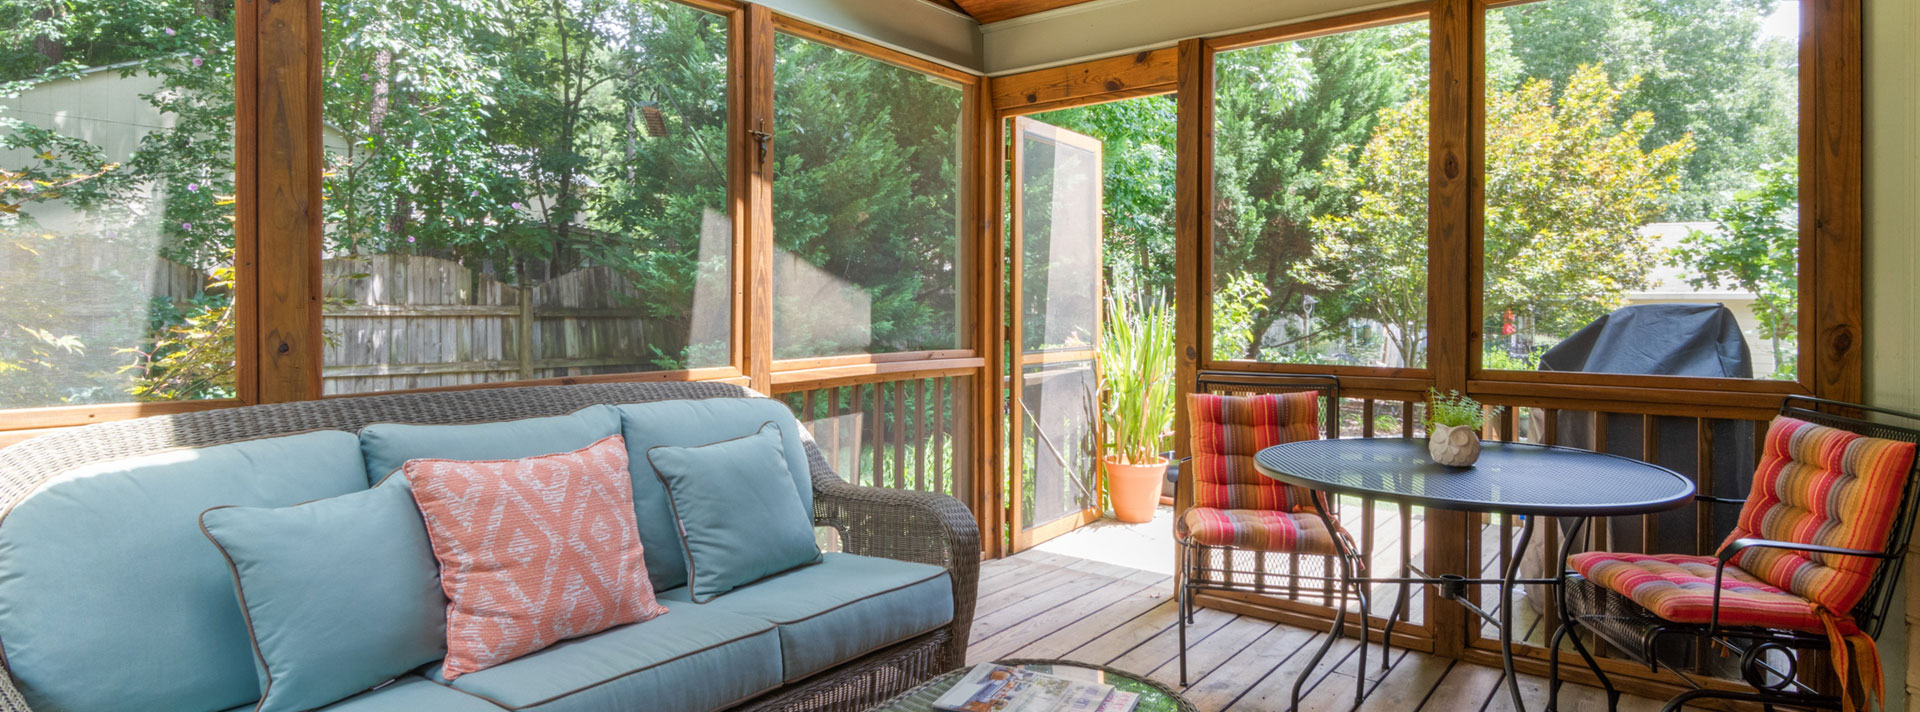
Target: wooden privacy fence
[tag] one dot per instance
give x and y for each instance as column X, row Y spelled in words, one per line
column 396, row 322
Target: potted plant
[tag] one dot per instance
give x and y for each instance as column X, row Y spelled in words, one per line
column 1453, row 428
column 1136, row 361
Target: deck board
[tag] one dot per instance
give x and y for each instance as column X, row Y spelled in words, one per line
column 1049, row 605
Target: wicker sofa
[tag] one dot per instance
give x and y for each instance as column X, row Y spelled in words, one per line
column 886, row 524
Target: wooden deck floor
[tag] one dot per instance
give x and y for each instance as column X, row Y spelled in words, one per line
column 1048, row 605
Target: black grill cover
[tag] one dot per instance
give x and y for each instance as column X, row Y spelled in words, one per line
column 1660, row 339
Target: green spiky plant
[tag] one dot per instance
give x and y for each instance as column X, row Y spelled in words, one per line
column 1137, row 378
column 1455, row 410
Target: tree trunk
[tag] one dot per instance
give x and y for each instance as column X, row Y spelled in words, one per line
column 44, row 43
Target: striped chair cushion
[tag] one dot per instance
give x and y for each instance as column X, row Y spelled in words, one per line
column 1679, row 588
column 1228, row 430
column 1258, row 530
column 1821, row 485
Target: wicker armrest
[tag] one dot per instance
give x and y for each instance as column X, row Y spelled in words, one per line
column 921, row 527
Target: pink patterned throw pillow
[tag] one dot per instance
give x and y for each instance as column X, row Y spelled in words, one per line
column 533, row 551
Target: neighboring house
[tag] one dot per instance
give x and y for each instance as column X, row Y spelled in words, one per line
column 1668, row 285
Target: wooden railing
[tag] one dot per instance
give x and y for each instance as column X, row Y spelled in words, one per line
column 897, row 431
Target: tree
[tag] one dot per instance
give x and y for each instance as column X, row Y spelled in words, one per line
column 1706, row 72
column 1756, row 248
column 1568, row 187
column 1137, row 188
column 1282, row 111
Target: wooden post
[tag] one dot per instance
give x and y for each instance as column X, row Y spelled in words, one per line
column 524, row 349
column 752, row 145
column 1193, row 235
column 284, row 130
column 1453, row 152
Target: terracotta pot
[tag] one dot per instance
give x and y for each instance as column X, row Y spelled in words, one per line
column 1135, row 489
column 1453, row 445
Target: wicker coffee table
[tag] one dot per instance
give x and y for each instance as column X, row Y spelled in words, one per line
column 1154, row 697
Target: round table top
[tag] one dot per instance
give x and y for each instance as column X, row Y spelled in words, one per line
column 1509, row 478
column 1154, row 697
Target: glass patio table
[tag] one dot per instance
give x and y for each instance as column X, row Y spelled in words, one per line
column 1154, row 697
column 1508, row 479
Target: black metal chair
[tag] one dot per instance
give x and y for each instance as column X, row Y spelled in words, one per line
column 1768, row 658
column 1213, row 567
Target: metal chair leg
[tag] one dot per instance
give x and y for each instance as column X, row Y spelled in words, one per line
column 1680, row 701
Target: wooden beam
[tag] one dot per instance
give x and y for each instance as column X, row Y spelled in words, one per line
column 286, row 170
column 1193, row 239
column 1831, row 176
column 1124, row 77
column 1452, row 172
column 753, row 147
column 990, row 338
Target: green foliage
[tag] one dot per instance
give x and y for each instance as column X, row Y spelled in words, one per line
column 1236, row 305
column 1136, row 358
column 867, row 189
column 191, row 355
column 1282, row 113
column 1455, row 410
column 1707, row 74
column 1756, row 248
column 1137, row 137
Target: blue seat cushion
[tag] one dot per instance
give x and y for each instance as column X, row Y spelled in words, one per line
column 412, row 693
column 692, row 659
column 389, row 445
column 692, row 423
column 839, row 609
column 108, row 560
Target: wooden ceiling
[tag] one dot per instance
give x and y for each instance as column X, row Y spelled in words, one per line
column 989, row 11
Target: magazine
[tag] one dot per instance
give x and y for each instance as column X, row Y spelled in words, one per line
column 999, row 688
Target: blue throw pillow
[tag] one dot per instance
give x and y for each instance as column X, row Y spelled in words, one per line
column 340, row 594
column 741, row 518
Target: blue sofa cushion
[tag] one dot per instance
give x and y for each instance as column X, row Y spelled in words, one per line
column 109, row 559
column 390, row 445
column 740, row 516
column 340, row 594
column 841, row 608
column 690, row 423
column 413, row 693
column 693, row 659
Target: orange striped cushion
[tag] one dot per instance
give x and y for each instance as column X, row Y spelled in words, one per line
column 1228, row 430
column 1821, row 485
column 1259, row 530
column 1679, row 588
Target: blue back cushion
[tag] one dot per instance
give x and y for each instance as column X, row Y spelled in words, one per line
column 110, row 596
column 388, row 446
column 692, row 423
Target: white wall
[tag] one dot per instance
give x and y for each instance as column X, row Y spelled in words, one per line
column 1112, row 27
column 918, row 28
column 1893, row 258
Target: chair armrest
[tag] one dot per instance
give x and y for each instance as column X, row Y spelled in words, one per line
column 905, row 525
column 1731, row 550
column 1718, row 500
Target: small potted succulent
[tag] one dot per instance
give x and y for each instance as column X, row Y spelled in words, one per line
column 1453, row 428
